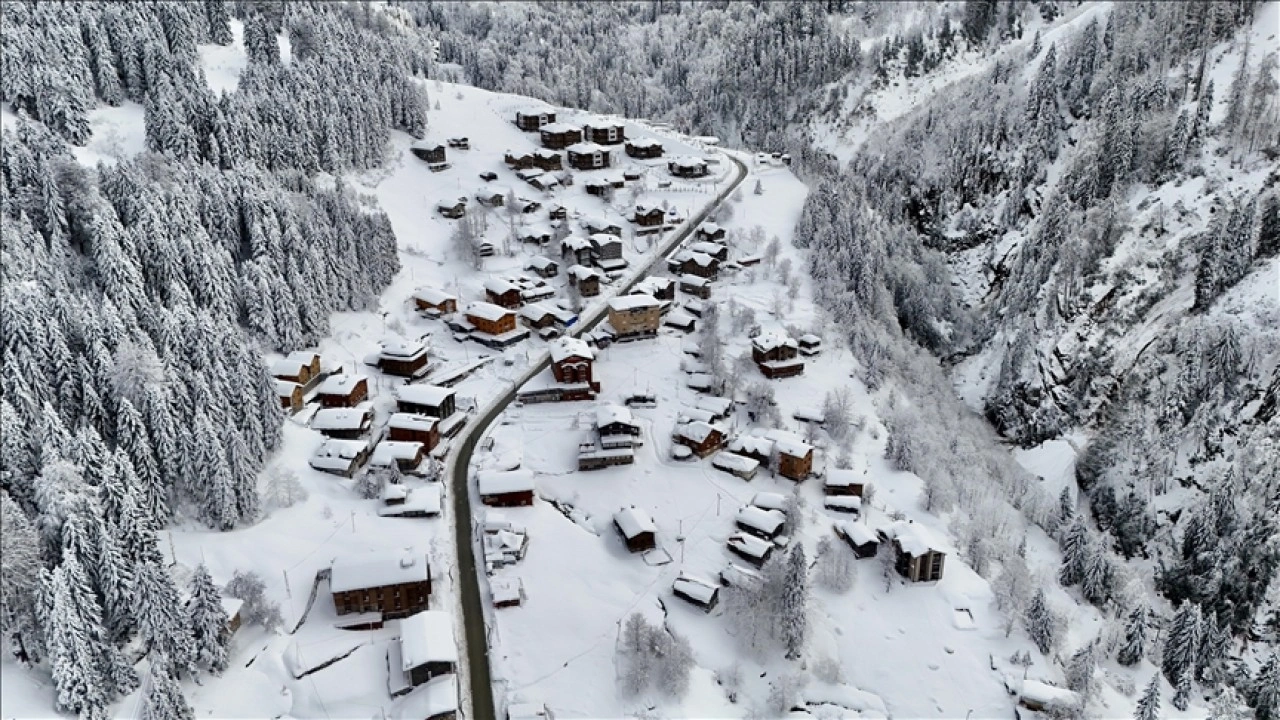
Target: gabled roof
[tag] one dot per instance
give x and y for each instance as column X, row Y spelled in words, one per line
column 560, row 127
column 772, row 340
column 601, row 239
column 857, row 532
column 567, row 347
column 389, row 451
column 709, row 228
column 401, row 349
column 697, row 431
column 632, row 302
column 422, row 394
column 840, row 477
column 426, row 145
column 433, row 296
column 539, row 262
column 704, row 591
column 768, row 522
column 427, row 637
column 644, row 142
column 340, row 384
column 285, row 388
column 769, row 501
column 582, row 272
column 497, row 482
column 584, row 148
column 749, row 545
column 371, row 570
column 913, row 538
column 575, row 242
column 500, row 286
column 701, row 259
column 411, row 421
column 632, row 522
column 789, row 443
column 608, row 414
column 340, row 419
column 487, row 311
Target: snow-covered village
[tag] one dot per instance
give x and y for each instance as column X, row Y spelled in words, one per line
column 645, row 359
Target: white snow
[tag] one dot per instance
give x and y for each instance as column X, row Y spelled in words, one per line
column 373, row 570
column 498, row 482
column 423, row 394
column 427, row 637
column 633, row 522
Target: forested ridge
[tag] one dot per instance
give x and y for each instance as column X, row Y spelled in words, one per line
column 139, row 296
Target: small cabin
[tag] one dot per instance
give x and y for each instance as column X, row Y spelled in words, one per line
column 343, row 390
column 533, row 119
column 433, row 301
column 290, row 394
column 452, row 209
column 231, row 607
column 587, row 156
column 491, row 197
column 490, row 318
column 750, row 548
column 341, row 457
column 405, row 455
column 427, row 646
column 543, row 267
column 410, row 427
column 604, row 132
column 459, row 143
column 648, row 216
column 701, row 593
column 735, row 464
column 423, row 399
column 421, row 502
column 546, row 160
column 343, row 423
column 810, row 344
column 766, row 524
column 381, row 583
column 507, row 591
column 505, row 488
column 644, row 148
column 681, row 321
column 1050, row 699
column 503, row 293
column 298, row 367
column 775, row 355
column 688, row 168
column 403, row 358
column 918, row 556
column 558, row 136
column 557, row 212
column 585, row 279
column 605, row 246
column 844, row 482
column 700, row 265
column 659, row 288
column 709, row 232
column 616, row 421
column 698, row 287
column 715, row 250
column 598, row 187
column 861, row 539
column 577, row 249
column 636, row 528
column 634, row 316
column 432, row 152
column 601, row 226
column 700, row 437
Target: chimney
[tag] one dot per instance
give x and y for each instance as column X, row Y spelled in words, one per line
column 407, row 561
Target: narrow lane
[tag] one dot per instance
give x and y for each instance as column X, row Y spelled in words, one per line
column 466, row 546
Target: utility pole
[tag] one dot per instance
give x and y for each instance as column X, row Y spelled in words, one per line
column 288, row 592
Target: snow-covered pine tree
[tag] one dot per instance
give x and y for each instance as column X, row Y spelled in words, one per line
column 1182, row 647
column 79, row 685
column 1075, row 553
column 1039, row 622
column 1097, row 579
column 1228, row 705
column 1081, row 668
column 794, row 611
column 161, row 621
column 19, row 578
column 1264, row 691
column 164, row 700
column 1182, row 690
column 1134, row 646
column 208, row 622
column 1149, row 704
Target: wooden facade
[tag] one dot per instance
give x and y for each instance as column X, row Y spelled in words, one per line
column 393, row 601
column 533, row 120
column 558, row 136
column 432, row 153
column 604, row 132
column 795, row 467
column 346, row 395
column 408, row 427
column 494, row 326
column 644, row 149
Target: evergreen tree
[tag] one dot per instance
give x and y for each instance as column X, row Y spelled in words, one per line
column 260, row 44
column 1149, row 704
column 1039, row 622
column 19, row 575
column 72, row 663
column 1228, row 705
column 1075, row 553
column 208, row 622
column 1081, row 668
column 161, row 622
column 794, row 619
column 1264, row 692
column 1066, row 507
column 1214, row 645
column 164, row 700
column 1097, row 577
column 1135, row 637
column 1182, row 648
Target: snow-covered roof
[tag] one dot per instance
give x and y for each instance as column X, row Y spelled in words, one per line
column 772, row 340
column 526, row 711
column 809, row 413
column 595, row 221
column 392, row 491
column 427, row 637
column 697, row 431
column 504, row 589
column 687, row 162
column 575, row 242
column 560, row 127
column 701, row 259
column 567, row 347
column 842, row 502
column 401, row 349
column 340, row 419
column 499, row 286
column 644, row 142
column 497, row 482
column 680, row 318
column 734, row 462
column 769, row 500
column 632, row 522
column 709, row 228
column 602, row 239
column 608, row 414
column 422, row 394
column 433, row 296
column 704, row 591
column 749, row 545
column 231, row 606
column 535, row 108
column 411, row 421
column 752, row 444
column 1045, row 694
column 527, row 174
column 291, row 364
column 632, row 302
column 840, row 478
column 586, row 148
column 344, row 450
column 582, row 272
column 540, row 262
column 389, row 451
column 340, row 384
column 434, row 698
column 651, row 284
column 371, row 570
column 810, row 339
column 487, row 311
column 766, row 521
column 694, row 280
column 788, row 443
column 913, row 538
column 717, row 405
column 858, row 532
column 706, row 247
column 426, row 144
column 285, row 388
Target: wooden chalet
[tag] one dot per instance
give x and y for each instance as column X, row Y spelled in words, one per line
column 841, row 482
column 701, row 593
column 585, row 279
column 644, row 148
column 342, row 390
column 290, row 394
column 543, row 267
column 558, row 136
column 604, row 132
column 343, row 423
column 775, row 355
column 341, row 457
column 587, row 156
column 794, row 456
column 701, row 437
column 765, row 524
column 715, row 250
column 403, row 358
column 505, row 488
column 634, row 317
column 601, row 226
column 423, row 399
column 648, row 216
column 699, row 264
column 606, row 250
column 557, row 212
column 659, row 288
column 433, row 301
column 495, row 326
column 750, row 548
column 411, row 427
column 231, row 607
column 459, row 143
column 861, row 539
column 598, row 187
column 918, row 557
column 698, row 287
column 491, row 197
column 576, row 249
column 810, row 344
column 709, row 232
column 636, row 528
column 680, row 320
column 1051, row 700
column 380, row 583
column 299, row 367
column 427, row 646
column 503, row 293
column 430, row 151
column 507, row 591
column 688, row 167
column 452, row 209
column 534, row 118
column 571, row 362
column 406, row 455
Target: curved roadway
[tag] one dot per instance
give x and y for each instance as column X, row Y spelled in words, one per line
column 459, row 462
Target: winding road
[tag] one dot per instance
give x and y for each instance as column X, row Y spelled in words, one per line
column 466, row 542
